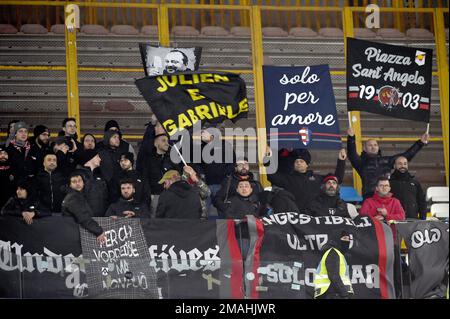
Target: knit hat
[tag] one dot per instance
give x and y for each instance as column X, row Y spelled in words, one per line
column 87, row 155
column 38, row 130
column 129, row 156
column 18, row 126
column 111, row 123
column 329, row 177
column 302, row 154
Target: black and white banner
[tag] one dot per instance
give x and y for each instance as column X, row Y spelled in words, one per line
column 389, row 80
column 428, row 246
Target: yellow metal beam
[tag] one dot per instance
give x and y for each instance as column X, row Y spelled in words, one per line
column 354, row 117
column 73, row 109
column 257, row 56
column 163, row 25
column 442, row 61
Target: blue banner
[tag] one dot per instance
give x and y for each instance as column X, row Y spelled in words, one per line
column 300, row 107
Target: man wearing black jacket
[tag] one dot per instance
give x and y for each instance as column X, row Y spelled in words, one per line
column 371, row 164
column 408, row 190
column 303, row 183
column 328, row 202
column 6, row 177
column 179, row 199
column 245, row 202
column 48, row 185
column 39, row 147
column 76, row 205
column 127, row 206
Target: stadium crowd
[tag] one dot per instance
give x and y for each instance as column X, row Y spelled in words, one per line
column 90, row 178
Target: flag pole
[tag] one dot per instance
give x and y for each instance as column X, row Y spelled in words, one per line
column 428, row 128
column 178, row 151
column 349, row 119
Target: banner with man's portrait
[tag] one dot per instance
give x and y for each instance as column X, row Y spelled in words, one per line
column 158, row 60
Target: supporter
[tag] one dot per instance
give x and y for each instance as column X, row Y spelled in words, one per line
column 244, row 202
column 142, row 188
column 178, row 200
column 69, row 132
column 10, row 132
column 382, row 205
column 95, row 189
column 6, row 177
column 276, row 200
column 371, row 164
column 39, row 147
column 23, row 204
column 61, row 150
column 18, row 150
column 331, row 279
column 199, row 186
column 124, row 146
column 229, row 185
column 48, row 185
column 89, row 142
column 110, row 155
column 76, row 205
column 408, row 190
column 328, row 202
column 303, row 183
column 127, row 206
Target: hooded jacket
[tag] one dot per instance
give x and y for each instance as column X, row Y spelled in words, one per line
column 325, row 205
column 371, row 167
column 109, row 166
column 95, row 191
column 76, row 205
column 117, row 209
column 228, row 190
column 409, row 192
column 141, row 186
column 179, row 201
column 392, row 205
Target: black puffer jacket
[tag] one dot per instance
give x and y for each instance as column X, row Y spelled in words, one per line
column 109, row 166
column 76, row 205
column 241, row 206
column 96, row 191
column 304, row 186
column 324, row 205
column 370, row 168
column 142, row 188
column 16, row 206
column 49, row 190
column 410, row 194
column 179, row 201
column 228, row 190
column 117, row 209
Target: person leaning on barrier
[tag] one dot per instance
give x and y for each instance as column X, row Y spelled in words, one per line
column 127, row 206
column 331, row 278
column 244, row 202
column 371, row 164
column 76, row 205
column 304, row 184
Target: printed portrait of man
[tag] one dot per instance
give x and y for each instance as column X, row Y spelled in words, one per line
column 175, row 61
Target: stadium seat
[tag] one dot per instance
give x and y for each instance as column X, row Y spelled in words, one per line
column 349, row 194
column 8, row 29
column 353, row 212
column 419, row 33
column 331, row 33
column 94, row 29
column 119, row 106
column 440, row 210
column 33, row 29
column 364, row 33
column 151, row 30
column 302, row 32
column 214, row 31
column 390, row 33
column 185, row 31
column 88, row 105
column 240, row 31
column 58, row 29
column 274, row 32
column 123, row 29
column 437, row 194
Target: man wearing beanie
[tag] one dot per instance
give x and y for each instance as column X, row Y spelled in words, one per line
column 39, row 147
column 95, row 189
column 6, row 177
column 302, row 182
column 18, row 150
column 142, row 188
column 124, row 146
column 328, row 202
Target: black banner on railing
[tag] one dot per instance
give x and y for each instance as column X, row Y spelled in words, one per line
column 389, row 80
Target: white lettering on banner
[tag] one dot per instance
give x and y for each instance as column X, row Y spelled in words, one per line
column 315, row 241
column 301, row 98
column 128, row 249
column 358, row 71
column 281, row 119
column 181, row 260
column 293, row 218
column 419, row 238
column 378, row 56
column 404, row 78
column 305, row 78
